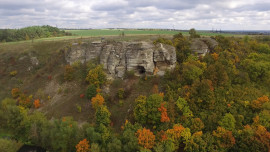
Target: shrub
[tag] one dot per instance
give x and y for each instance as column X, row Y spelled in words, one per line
column 13, row 73
column 69, row 71
column 79, row 108
column 82, row 95
column 15, row 92
column 121, row 93
column 37, row 103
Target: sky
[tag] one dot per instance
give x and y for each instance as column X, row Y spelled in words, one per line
column 169, row 14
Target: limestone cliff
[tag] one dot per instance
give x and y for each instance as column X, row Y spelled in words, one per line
column 117, row 58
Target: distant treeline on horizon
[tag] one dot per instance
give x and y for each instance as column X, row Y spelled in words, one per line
column 31, row 32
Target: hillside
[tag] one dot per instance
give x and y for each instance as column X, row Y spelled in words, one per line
column 177, row 93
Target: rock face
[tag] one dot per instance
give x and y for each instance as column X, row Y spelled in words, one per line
column 202, row 46
column 117, row 58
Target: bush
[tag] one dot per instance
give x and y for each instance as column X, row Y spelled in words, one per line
column 69, row 71
column 79, row 108
column 121, row 93
column 7, row 145
column 91, row 91
column 13, row 73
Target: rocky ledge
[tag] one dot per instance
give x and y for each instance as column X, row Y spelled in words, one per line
column 119, row 57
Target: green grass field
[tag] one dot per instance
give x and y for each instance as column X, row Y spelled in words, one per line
column 112, row 32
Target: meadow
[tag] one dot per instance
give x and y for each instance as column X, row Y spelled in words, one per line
column 129, row 32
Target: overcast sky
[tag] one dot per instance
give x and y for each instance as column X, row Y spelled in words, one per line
column 178, row 14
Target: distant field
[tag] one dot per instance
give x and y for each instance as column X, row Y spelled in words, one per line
column 109, row 32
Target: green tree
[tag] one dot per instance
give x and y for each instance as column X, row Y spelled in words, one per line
column 228, row 122
column 103, row 116
column 193, row 34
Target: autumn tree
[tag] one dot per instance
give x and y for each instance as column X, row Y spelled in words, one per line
column 257, row 104
column 224, row 138
column 83, row 146
column 97, row 101
column 197, row 125
column 164, row 115
column 37, row 103
column 146, row 138
column 15, row 92
column 96, row 76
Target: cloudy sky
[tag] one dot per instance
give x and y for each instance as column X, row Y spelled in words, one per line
column 178, row 14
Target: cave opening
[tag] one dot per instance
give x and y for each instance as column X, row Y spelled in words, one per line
column 141, row 70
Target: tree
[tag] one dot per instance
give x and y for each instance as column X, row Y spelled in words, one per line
column 145, row 138
column 224, row 138
column 83, row 146
column 97, row 101
column 182, row 105
column 257, row 104
column 164, row 115
column 193, row 34
column 140, row 110
column 96, row 76
column 91, row 91
column 115, row 145
column 102, row 116
column 197, row 125
column 228, row 122
column 146, row 109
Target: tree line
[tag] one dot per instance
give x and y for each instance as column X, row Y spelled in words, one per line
column 29, row 33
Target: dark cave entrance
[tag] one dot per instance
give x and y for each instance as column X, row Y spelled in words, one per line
column 141, row 70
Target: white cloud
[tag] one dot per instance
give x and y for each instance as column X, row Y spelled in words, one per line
column 180, row 14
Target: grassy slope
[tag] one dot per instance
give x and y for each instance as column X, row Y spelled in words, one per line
column 65, row 96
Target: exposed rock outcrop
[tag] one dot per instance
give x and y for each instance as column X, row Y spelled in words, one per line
column 117, row 58
column 202, row 46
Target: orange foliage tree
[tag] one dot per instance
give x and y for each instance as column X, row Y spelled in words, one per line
column 37, row 103
column 97, row 101
column 224, row 137
column 83, row 146
column 164, row 115
column 263, row 136
column 257, row 104
column 215, row 56
column 146, row 138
